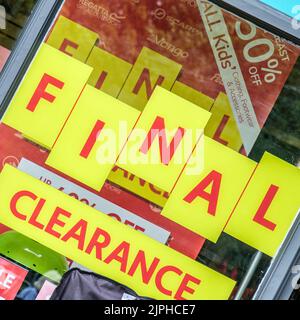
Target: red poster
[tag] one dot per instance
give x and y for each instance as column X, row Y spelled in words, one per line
column 176, row 30
column 11, row 279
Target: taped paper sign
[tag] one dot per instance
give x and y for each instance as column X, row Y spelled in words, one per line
column 110, row 72
column 222, row 126
column 150, row 70
column 203, row 202
column 92, row 139
column 47, row 96
column 138, row 186
column 163, row 139
column 96, row 202
column 192, row 95
column 72, row 39
column 268, row 207
column 103, row 245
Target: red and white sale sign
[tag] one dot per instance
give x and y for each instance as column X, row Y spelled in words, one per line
column 11, row 279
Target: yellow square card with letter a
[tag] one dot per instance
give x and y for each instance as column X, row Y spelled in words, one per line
column 203, row 202
column 47, row 95
column 163, row 139
column 268, row 206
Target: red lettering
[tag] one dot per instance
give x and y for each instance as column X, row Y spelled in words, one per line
column 101, row 80
column 80, row 226
column 213, row 178
column 92, row 139
column 16, row 198
column 153, row 189
column 220, row 129
column 40, row 92
column 125, row 173
column 184, row 286
column 138, row 228
column 140, row 261
column 122, row 249
column 95, row 243
column 55, row 221
column 145, row 79
column 263, row 208
column 166, row 152
column 160, row 274
column 129, row 223
column 33, row 219
column 68, row 43
column 115, row 216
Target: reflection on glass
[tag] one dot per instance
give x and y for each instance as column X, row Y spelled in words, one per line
column 15, row 13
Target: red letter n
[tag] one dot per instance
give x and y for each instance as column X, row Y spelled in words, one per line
column 145, row 78
column 166, row 152
column 40, row 92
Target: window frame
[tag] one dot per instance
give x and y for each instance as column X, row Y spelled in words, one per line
column 276, row 283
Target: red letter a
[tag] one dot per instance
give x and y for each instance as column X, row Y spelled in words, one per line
column 213, row 178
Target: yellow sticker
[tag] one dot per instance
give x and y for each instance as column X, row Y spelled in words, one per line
column 47, row 95
column 203, row 202
column 222, row 126
column 110, row 72
column 93, row 137
column 268, row 206
column 138, row 186
column 103, row 244
column 151, row 69
column 192, row 95
column 72, row 39
column 163, row 139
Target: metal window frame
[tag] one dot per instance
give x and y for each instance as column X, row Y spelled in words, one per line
column 276, row 285
column 32, row 35
column 277, row 282
column 263, row 16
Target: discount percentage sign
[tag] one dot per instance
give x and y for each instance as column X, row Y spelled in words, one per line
column 271, row 71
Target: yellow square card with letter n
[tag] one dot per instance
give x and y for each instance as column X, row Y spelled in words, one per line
column 163, row 139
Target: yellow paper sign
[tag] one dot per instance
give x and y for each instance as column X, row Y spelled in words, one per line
column 203, row 202
column 268, row 207
column 93, row 137
column 110, row 72
column 192, row 95
column 151, row 69
column 138, row 186
column 163, row 139
column 47, row 96
column 72, row 39
column 102, row 244
column 222, row 126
